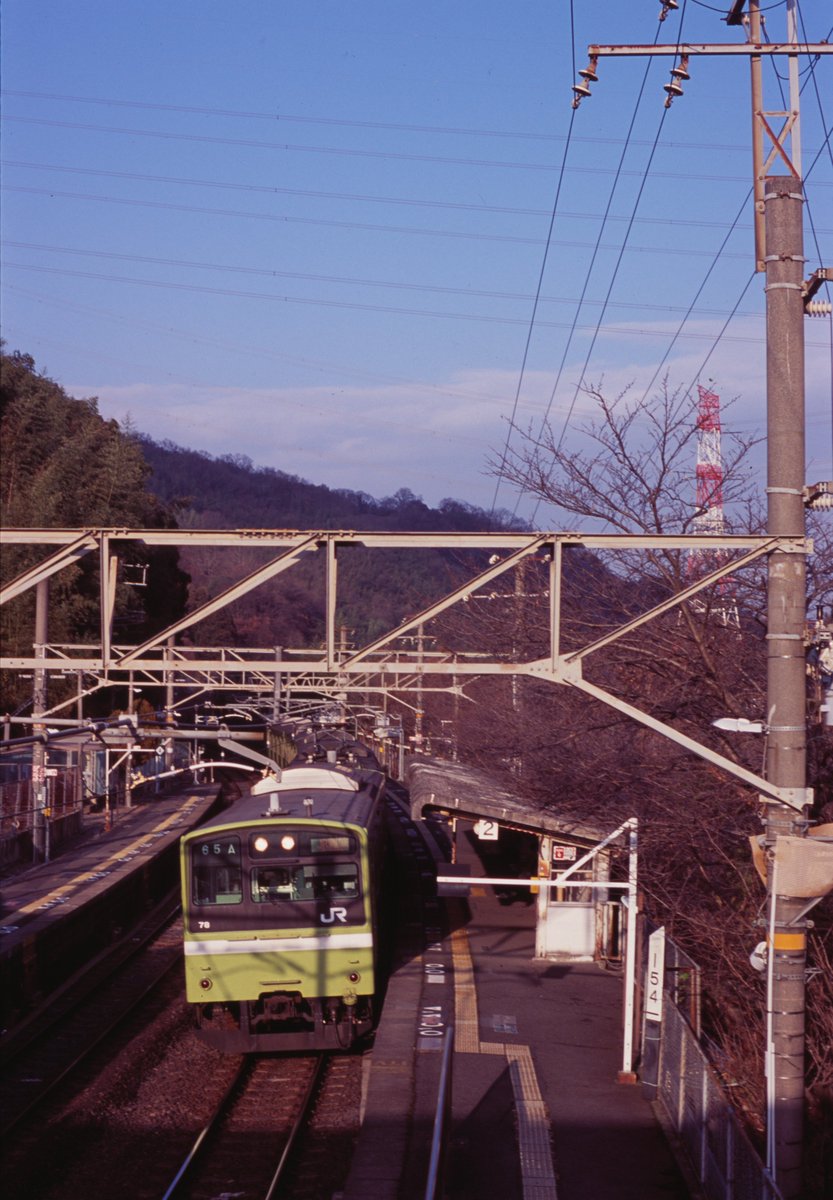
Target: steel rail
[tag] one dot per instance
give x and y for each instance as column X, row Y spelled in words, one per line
column 297, row 1125
column 187, row 1164
column 224, row 1106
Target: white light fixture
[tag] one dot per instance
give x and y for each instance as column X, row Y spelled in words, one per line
column 738, row 725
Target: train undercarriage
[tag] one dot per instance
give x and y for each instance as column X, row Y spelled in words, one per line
column 285, row 1021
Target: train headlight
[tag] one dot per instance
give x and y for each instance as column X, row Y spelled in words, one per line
column 205, row 984
column 354, row 977
column 261, row 844
column 287, row 842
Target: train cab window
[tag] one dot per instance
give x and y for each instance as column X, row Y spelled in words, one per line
column 335, row 879
column 310, row 881
column 217, row 873
column 272, row 884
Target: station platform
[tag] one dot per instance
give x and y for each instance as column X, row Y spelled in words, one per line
column 56, row 915
column 537, row 1110
column 562, row 1023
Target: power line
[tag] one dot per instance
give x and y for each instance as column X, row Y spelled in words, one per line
column 375, row 228
column 350, row 123
column 339, row 151
column 612, row 330
column 351, row 280
column 254, row 143
column 588, row 272
column 531, row 327
column 360, row 197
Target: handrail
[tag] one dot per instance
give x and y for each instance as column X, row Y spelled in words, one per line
column 442, row 1121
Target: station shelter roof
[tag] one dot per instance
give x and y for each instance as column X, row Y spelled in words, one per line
column 455, row 789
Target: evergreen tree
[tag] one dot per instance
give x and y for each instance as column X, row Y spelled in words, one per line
column 64, row 466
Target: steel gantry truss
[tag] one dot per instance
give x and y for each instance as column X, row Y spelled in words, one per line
column 390, row 664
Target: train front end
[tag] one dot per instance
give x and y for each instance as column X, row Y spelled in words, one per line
column 279, row 909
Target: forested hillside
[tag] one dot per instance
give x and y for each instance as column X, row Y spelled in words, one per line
column 63, row 465
column 230, row 492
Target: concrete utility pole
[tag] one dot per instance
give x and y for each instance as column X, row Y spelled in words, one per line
column 786, row 668
column 778, row 251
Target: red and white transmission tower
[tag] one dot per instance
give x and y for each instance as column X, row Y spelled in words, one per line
column 708, row 518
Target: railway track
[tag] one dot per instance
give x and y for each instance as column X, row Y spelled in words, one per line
column 56, row 1040
column 246, row 1146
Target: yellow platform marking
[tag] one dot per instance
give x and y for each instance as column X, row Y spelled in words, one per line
column 113, row 859
column 466, row 1019
column 534, row 1147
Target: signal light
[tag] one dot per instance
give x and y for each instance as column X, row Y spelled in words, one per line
column 205, row 984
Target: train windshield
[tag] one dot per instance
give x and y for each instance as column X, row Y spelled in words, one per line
column 310, row 881
column 279, row 876
column 218, row 871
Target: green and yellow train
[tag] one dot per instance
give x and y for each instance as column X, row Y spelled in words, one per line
column 281, row 898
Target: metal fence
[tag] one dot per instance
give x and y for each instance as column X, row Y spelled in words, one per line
column 727, row 1165
column 683, row 983
column 63, row 795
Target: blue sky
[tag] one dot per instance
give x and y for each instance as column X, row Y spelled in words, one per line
column 312, row 233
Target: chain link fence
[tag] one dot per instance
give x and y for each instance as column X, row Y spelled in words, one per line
column 719, row 1151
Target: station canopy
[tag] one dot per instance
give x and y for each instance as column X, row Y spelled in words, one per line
column 440, row 787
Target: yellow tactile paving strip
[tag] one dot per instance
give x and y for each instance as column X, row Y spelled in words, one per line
column 466, row 1020
column 533, row 1119
column 117, row 857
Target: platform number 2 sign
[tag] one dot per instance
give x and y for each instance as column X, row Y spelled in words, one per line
column 487, row 831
